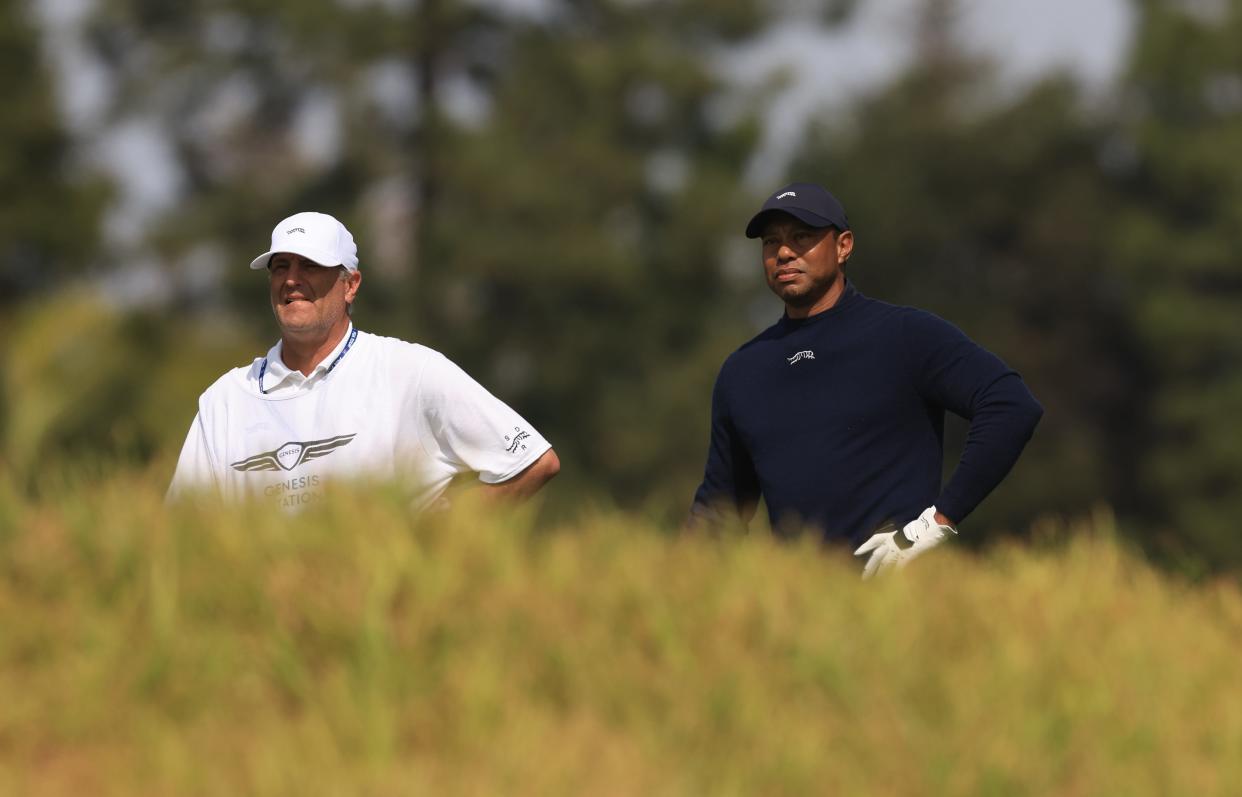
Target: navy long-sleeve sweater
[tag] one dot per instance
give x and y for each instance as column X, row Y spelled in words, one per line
column 837, row 420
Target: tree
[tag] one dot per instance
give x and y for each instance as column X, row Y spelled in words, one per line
column 48, row 228
column 1179, row 241
column 278, row 107
column 581, row 237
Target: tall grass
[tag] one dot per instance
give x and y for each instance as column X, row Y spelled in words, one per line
column 355, row 650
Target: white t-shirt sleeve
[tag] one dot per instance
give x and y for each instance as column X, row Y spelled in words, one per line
column 474, row 430
column 195, row 469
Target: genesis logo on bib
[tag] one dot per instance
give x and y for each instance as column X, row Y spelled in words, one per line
column 290, row 455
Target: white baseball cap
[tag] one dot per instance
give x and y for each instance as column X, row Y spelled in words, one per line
column 315, row 236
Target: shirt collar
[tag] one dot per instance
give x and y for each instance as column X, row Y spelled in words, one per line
column 847, row 298
column 278, row 372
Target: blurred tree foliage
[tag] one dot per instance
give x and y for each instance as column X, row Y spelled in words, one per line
column 98, row 387
column 49, row 224
column 552, row 193
column 49, row 227
column 582, row 231
column 1179, row 238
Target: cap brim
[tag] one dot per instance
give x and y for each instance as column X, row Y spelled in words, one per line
column 755, row 228
column 307, row 252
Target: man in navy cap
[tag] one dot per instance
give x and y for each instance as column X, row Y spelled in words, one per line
column 834, row 415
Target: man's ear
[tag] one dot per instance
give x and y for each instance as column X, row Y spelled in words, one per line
column 845, row 246
column 355, row 281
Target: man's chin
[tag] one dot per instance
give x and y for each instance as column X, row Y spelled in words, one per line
column 800, row 297
column 794, row 296
column 297, row 323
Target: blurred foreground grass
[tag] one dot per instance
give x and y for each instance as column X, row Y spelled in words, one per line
column 354, row 651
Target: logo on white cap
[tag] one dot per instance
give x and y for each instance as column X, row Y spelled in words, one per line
column 315, row 236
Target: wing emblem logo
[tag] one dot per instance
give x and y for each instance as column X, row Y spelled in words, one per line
column 292, row 454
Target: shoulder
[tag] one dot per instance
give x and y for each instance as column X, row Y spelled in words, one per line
column 229, row 383
column 752, row 347
column 740, row 366
column 874, row 310
column 428, row 368
column 396, row 356
column 906, row 320
column 395, row 347
column 924, row 326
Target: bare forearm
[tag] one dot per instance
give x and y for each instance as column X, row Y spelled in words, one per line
column 526, row 483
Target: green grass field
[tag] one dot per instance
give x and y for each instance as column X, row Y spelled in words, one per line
column 355, row 651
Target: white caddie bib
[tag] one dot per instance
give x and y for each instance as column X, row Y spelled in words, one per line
column 386, row 409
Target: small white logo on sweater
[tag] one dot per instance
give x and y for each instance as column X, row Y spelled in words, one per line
column 802, row 355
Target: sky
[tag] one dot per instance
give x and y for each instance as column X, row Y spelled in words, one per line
column 1026, row 39
column 828, row 67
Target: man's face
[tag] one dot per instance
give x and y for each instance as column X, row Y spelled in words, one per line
column 307, row 298
column 803, row 263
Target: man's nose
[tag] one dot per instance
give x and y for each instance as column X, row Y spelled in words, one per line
column 293, row 275
column 786, row 253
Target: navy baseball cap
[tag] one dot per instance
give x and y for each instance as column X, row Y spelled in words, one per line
column 807, row 202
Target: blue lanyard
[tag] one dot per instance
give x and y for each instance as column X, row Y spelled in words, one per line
column 344, row 351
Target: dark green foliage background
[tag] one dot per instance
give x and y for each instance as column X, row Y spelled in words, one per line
column 576, row 244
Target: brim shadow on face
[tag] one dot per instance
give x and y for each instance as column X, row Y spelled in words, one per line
column 316, row 256
column 755, row 228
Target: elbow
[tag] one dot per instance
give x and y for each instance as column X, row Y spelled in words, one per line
column 1032, row 413
column 1036, row 412
column 1011, row 403
column 550, row 465
column 1022, row 406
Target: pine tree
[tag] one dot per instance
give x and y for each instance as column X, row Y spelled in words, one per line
column 1180, row 240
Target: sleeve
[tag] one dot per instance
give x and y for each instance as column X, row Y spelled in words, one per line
column 729, row 479
column 952, row 371
column 473, row 430
column 195, row 471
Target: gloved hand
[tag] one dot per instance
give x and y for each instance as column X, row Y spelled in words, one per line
column 890, row 549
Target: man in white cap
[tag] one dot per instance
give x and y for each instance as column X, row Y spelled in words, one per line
column 329, row 401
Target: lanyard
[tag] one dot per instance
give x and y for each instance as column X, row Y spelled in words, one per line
column 344, row 351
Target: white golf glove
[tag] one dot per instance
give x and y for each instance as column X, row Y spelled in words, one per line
column 891, row 549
